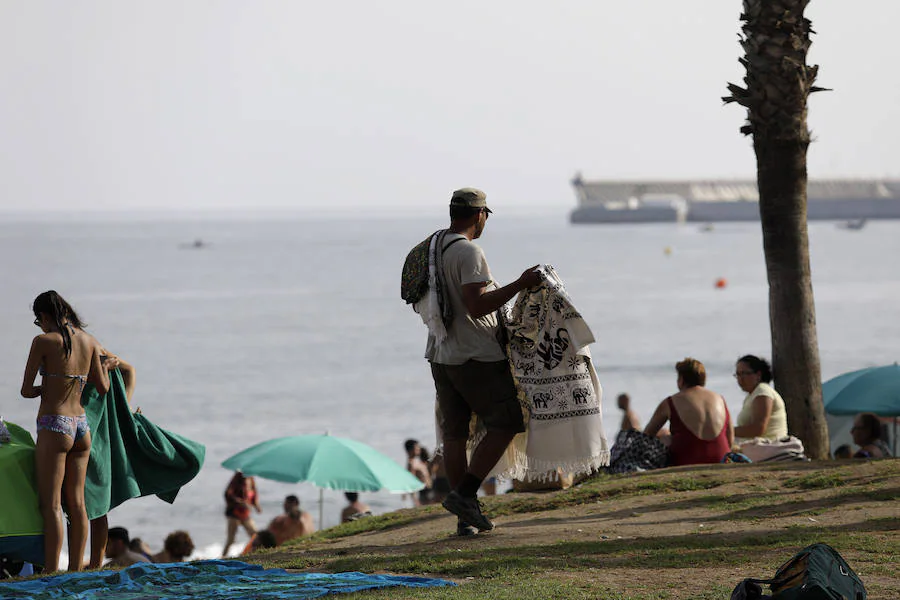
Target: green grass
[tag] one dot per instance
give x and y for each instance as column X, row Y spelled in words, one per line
column 695, row 550
column 816, row 481
column 645, row 568
column 539, row 588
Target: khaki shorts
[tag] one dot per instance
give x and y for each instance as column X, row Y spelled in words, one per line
column 485, row 388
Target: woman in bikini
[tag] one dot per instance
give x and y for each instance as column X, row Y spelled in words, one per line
column 67, row 358
column 701, row 427
column 240, row 495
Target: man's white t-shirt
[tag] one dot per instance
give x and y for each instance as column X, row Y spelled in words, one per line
column 467, row 338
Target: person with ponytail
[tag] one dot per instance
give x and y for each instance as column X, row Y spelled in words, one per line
column 67, row 358
column 763, row 413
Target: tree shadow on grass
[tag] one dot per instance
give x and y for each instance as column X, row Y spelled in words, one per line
column 679, row 551
column 769, row 505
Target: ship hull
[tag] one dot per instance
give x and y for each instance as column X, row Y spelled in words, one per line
column 716, row 212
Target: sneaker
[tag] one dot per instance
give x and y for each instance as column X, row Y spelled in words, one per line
column 463, row 529
column 467, row 509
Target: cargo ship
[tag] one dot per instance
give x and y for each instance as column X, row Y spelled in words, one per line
column 710, row 201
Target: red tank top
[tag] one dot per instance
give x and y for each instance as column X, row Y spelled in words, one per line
column 688, row 449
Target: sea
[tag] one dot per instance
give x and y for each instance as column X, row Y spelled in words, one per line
column 249, row 326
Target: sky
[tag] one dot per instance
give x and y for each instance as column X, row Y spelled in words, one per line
column 175, row 105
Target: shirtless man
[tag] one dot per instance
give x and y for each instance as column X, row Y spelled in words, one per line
column 118, row 550
column 293, row 523
column 355, row 509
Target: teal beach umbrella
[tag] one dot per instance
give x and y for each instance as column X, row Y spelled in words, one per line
column 875, row 390
column 326, row 461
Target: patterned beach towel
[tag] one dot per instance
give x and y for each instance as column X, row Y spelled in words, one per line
column 551, row 363
column 211, row 580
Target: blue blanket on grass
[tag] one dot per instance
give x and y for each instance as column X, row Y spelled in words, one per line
column 210, row 579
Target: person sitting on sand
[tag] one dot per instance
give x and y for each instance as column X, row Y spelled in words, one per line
column 701, row 426
column 263, row 539
column 843, row 451
column 118, row 549
column 139, row 546
column 355, row 509
column 293, row 523
column 866, row 434
column 177, row 547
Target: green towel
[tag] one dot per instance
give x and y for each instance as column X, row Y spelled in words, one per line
column 130, row 456
column 19, row 513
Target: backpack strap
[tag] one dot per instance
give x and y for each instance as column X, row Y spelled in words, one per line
column 453, row 241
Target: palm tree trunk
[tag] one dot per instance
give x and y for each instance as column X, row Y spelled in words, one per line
column 776, row 38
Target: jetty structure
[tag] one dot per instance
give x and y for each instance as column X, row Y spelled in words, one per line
column 716, row 200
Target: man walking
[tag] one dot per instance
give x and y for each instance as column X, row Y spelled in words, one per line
column 469, row 366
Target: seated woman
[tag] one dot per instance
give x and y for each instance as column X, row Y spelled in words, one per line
column 866, row 434
column 762, row 414
column 700, row 423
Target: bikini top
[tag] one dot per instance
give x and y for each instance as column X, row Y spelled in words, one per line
column 82, row 379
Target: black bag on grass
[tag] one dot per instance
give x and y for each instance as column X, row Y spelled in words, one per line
column 817, row 572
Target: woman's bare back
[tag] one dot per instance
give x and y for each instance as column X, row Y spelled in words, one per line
column 702, row 411
column 64, row 377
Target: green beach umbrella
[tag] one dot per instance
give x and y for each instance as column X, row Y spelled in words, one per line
column 326, row 461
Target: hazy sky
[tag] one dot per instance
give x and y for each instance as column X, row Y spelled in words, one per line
column 195, row 104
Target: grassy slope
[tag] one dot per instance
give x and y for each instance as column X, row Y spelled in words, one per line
column 756, row 517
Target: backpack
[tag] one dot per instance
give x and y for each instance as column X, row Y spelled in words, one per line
column 817, row 572
column 414, row 279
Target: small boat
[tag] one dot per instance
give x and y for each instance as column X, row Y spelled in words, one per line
column 853, row 224
column 195, row 245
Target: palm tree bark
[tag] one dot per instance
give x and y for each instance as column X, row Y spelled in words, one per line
column 776, row 38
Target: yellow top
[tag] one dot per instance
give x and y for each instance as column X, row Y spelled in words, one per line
column 777, row 427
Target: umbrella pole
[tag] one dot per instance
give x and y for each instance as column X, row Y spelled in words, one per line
column 321, row 502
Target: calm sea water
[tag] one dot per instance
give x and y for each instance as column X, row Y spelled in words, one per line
column 293, row 324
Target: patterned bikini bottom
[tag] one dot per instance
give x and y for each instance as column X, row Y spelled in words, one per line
column 74, row 427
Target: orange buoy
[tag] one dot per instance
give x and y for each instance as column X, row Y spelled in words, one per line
column 721, row 283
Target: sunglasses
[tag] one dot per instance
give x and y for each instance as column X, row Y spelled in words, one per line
column 37, row 321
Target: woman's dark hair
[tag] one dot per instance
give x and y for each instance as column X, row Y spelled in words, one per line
column 871, row 424
column 351, row 496
column 179, row 544
column 52, row 304
column 758, row 365
column 265, row 539
column 692, row 372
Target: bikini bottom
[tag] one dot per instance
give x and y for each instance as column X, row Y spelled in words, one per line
column 74, row 427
